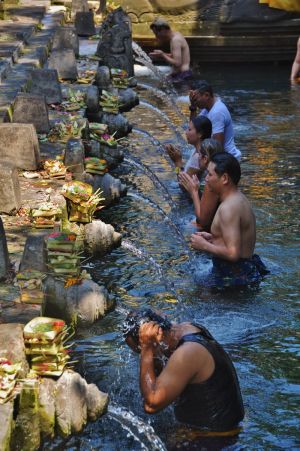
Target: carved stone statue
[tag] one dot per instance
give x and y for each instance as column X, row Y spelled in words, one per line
column 115, row 45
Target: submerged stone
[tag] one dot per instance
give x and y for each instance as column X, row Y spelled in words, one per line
column 76, row 401
column 19, row 144
column 32, row 109
column 112, row 188
column 4, row 258
column 10, row 194
column 65, row 63
column 97, row 402
column 100, row 238
column 84, row 23
column 66, row 38
column 80, row 304
column 128, row 99
column 45, row 82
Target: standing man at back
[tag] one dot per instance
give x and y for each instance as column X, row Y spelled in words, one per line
column 233, row 231
column 179, row 56
column 213, row 108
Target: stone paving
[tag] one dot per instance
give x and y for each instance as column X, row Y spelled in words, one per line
column 26, row 37
column 25, row 41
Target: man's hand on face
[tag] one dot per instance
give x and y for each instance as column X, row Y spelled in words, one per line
column 150, row 334
column 200, row 239
column 193, row 98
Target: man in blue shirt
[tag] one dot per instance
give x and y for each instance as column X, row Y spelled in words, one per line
column 213, row 108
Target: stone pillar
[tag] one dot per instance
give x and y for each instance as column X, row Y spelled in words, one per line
column 45, row 82
column 19, row 144
column 34, row 255
column 74, row 157
column 32, row 109
column 10, row 194
column 4, row 259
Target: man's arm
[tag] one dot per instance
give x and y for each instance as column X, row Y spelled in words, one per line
column 230, row 246
column 159, row 392
column 206, row 207
column 296, row 63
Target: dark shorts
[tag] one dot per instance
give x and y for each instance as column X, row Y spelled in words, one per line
column 180, row 77
column 246, row 271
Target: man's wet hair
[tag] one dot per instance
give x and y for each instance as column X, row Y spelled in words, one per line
column 210, row 147
column 202, row 86
column 203, row 126
column 134, row 320
column 160, row 24
column 227, row 163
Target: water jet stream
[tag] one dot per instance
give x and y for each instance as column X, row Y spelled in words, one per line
column 169, row 99
column 144, row 433
column 153, row 177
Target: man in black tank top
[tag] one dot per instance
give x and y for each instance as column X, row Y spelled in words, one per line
column 199, row 375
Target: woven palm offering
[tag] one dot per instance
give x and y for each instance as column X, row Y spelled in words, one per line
column 109, row 102
column 81, row 201
column 30, row 283
column 45, row 340
column 8, row 378
column 95, row 166
column 119, row 78
column 62, row 254
column 45, row 215
column 55, row 169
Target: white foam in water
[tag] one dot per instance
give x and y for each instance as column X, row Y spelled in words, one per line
column 143, row 71
column 136, row 427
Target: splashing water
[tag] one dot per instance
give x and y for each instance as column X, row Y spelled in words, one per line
column 169, row 99
column 153, row 177
column 167, row 120
column 145, row 60
column 143, row 255
column 142, row 432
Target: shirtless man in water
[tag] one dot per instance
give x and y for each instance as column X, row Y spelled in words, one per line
column 179, row 58
column 233, row 231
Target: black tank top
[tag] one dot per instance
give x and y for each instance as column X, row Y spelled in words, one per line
column 216, row 404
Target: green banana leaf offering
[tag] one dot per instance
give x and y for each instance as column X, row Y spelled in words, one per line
column 95, row 166
column 8, row 376
column 62, row 254
column 119, row 78
column 45, row 345
column 81, row 201
column 45, row 215
column 109, row 102
column 31, row 287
